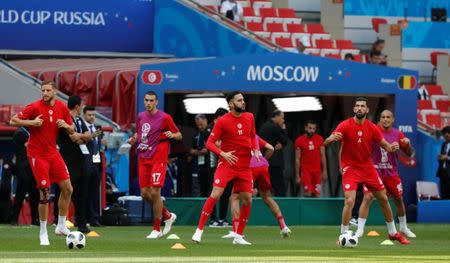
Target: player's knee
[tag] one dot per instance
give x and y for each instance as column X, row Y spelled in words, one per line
column 44, row 196
column 247, row 199
column 155, row 194
column 350, row 202
column 383, row 199
column 145, row 195
column 368, row 199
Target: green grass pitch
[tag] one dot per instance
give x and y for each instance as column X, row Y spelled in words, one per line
column 307, row 244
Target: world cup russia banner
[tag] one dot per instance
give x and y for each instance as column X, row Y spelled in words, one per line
column 81, row 25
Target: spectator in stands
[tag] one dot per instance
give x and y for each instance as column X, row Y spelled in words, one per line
column 349, row 56
column 232, row 10
column 6, row 170
column 93, row 166
column 378, row 46
column 376, row 57
column 423, row 93
column 25, row 179
column 170, row 182
column 444, row 164
column 274, row 132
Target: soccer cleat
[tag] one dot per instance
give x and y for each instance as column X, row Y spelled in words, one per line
column 353, row 222
column 230, row 234
column 168, row 223
column 61, row 230
column 239, row 240
column 359, row 234
column 154, row 235
column 197, row 237
column 407, row 232
column 285, row 232
column 44, row 240
column 214, row 223
column 397, row 236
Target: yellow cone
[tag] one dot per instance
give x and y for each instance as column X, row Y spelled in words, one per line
column 373, row 234
column 93, row 234
column 69, row 224
column 178, row 246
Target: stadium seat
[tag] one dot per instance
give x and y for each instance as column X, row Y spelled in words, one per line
column 433, row 120
column 358, row 57
column 284, row 42
column 376, row 22
column 213, row 8
column 276, row 35
column 344, row 44
column 434, row 89
column 324, row 43
column 443, row 105
column 334, row 56
column 255, row 19
column 419, row 117
column 295, row 28
column 305, row 38
column 275, row 27
column 318, row 36
column 249, row 11
column 261, row 4
column 427, row 190
column 424, row 105
column 435, row 98
column 264, row 34
column 286, row 12
column 268, row 12
column 255, row 27
column 314, row 28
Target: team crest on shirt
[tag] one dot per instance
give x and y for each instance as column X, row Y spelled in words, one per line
column 311, row 146
column 217, row 181
column 43, row 182
column 146, row 127
column 360, row 133
column 50, row 112
column 239, row 126
column 347, row 186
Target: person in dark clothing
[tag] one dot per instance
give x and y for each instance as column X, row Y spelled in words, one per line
column 93, row 166
column 443, row 171
column 72, row 150
column 274, row 132
column 25, row 179
column 6, row 171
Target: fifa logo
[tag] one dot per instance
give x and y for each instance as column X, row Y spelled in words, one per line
column 144, row 132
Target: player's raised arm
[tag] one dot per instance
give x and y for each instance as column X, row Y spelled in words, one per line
column 173, row 132
column 334, row 137
column 406, row 146
column 16, row 121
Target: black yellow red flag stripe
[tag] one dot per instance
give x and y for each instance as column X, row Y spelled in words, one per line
column 407, row 82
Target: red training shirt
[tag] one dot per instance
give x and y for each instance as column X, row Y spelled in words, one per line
column 357, row 142
column 42, row 140
column 237, row 134
column 310, row 159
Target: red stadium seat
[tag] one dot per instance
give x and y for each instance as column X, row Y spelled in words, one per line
column 334, row 56
column 284, row 42
column 443, row 105
column 324, row 43
column 434, row 89
column 315, row 28
column 275, row 27
column 286, row 12
column 376, row 22
column 344, row 44
column 268, row 12
column 434, row 55
column 213, row 8
column 249, row 11
column 255, row 27
column 424, row 105
column 296, row 28
column 434, row 120
column 358, row 58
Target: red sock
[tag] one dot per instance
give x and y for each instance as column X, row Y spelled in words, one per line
column 243, row 218
column 206, row 211
column 281, row 222
column 157, row 224
column 235, row 224
column 165, row 213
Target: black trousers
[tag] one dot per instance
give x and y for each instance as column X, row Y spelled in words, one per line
column 205, row 180
column 277, row 180
column 358, row 201
column 79, row 181
column 94, row 174
column 26, row 184
column 445, row 187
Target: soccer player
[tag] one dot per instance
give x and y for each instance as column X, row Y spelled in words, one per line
column 357, row 135
column 236, row 130
column 387, row 168
column 154, row 129
column 310, row 160
column 261, row 176
column 44, row 118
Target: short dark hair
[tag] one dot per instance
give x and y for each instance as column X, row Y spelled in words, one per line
column 151, row 93
column 200, row 116
column 376, row 43
column 231, row 95
column 88, row 108
column 73, row 101
column 48, row 82
column 310, row 122
column 349, row 56
column 276, row 113
column 361, row 99
column 446, row 129
column 220, row 112
column 374, row 53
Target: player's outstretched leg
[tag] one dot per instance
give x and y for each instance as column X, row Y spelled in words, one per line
column 63, row 204
column 275, row 209
column 234, row 208
column 169, row 219
column 43, row 212
column 206, row 212
column 401, row 213
column 243, row 218
column 386, row 208
column 154, row 194
column 364, row 213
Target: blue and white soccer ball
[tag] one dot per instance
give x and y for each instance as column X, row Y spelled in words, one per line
column 75, row 239
column 348, row 239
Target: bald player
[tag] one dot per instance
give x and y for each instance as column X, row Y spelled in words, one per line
column 386, row 164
